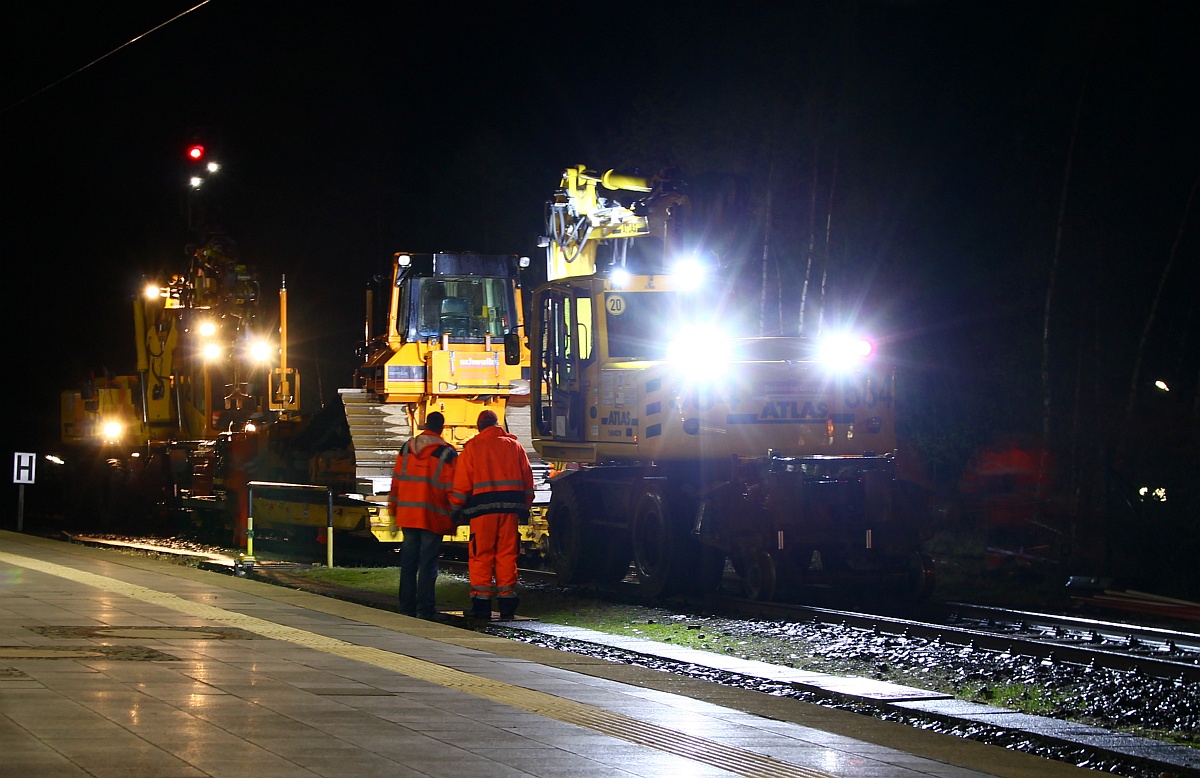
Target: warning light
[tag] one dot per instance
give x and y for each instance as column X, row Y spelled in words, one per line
column 195, row 153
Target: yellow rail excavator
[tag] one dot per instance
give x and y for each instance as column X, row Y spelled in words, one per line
column 212, row 379
column 683, row 443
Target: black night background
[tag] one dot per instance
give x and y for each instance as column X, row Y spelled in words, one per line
column 1004, row 194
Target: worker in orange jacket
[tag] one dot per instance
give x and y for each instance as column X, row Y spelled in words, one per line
column 493, row 489
column 419, row 504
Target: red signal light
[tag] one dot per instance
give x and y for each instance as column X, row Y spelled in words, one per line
column 195, row 153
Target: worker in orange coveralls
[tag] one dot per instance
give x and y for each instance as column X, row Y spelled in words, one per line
column 419, row 504
column 493, row 489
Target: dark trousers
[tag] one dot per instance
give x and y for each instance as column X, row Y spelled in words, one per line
column 418, row 572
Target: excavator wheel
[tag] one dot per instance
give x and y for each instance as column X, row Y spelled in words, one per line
column 659, row 550
column 568, row 548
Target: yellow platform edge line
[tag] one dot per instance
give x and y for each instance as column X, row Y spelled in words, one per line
column 734, row 760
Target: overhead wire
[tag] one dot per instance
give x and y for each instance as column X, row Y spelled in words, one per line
column 79, row 70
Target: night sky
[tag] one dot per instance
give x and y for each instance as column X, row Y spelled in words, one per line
column 352, row 130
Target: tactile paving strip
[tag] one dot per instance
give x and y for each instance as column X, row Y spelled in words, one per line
column 735, row 760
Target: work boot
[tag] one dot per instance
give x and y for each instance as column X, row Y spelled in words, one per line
column 508, row 608
column 481, row 608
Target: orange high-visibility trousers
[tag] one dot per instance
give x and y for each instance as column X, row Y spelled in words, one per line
column 492, row 564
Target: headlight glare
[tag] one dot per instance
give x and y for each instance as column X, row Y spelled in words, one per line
column 689, row 274
column 841, row 351
column 702, row 354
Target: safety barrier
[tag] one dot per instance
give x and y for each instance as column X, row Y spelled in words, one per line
column 249, row 558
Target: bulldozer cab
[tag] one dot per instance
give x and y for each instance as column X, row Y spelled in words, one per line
column 465, row 309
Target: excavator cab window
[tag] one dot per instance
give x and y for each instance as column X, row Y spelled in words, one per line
column 640, row 324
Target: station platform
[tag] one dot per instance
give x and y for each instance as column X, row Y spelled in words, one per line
column 120, row 665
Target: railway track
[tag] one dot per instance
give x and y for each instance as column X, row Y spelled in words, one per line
column 1153, row 651
column 1156, row 651
column 1150, row 650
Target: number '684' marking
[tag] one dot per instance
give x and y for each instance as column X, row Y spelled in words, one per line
column 869, row 393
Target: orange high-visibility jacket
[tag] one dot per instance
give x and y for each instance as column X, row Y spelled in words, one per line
column 421, row 481
column 493, row 476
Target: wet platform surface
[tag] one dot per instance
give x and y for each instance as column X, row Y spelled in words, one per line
column 1156, row 756
column 115, row 665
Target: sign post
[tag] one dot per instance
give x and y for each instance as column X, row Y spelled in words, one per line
column 24, row 469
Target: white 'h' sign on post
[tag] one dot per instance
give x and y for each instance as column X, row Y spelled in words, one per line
column 24, row 465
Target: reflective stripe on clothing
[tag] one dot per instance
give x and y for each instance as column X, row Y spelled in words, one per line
column 421, row 478
column 493, row 476
column 496, row 502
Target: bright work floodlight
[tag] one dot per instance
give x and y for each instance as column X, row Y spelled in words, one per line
column 842, row 351
column 703, row 353
column 261, row 351
column 689, row 273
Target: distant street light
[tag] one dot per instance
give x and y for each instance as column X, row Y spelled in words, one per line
column 1162, row 385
